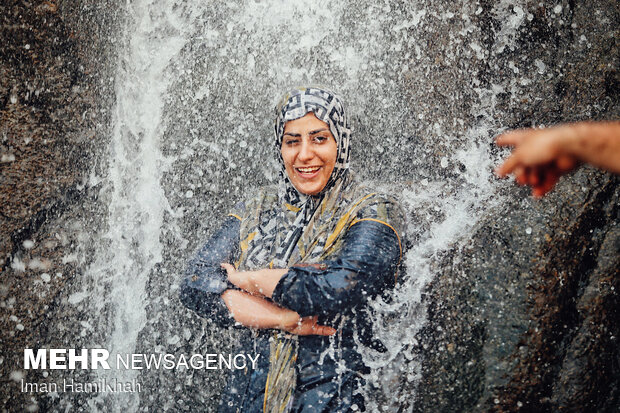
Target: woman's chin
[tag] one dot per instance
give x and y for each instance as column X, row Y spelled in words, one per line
column 309, row 189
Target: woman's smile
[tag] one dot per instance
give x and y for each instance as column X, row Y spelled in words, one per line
column 308, row 172
column 309, row 152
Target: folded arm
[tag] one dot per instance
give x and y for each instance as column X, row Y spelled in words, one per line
column 205, row 280
column 257, row 312
column 205, row 290
column 364, row 267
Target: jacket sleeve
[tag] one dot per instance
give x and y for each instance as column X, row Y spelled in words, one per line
column 364, row 267
column 205, row 280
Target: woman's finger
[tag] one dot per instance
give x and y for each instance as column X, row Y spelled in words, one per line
column 325, row 331
column 228, row 267
column 309, row 326
column 306, row 326
column 236, row 277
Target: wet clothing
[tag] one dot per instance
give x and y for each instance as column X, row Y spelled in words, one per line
column 341, row 248
column 360, row 262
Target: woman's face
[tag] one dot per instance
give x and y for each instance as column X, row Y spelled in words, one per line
column 309, row 152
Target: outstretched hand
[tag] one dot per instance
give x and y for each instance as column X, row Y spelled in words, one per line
column 538, row 158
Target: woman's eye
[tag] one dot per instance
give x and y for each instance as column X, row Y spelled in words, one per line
column 291, row 141
column 320, row 138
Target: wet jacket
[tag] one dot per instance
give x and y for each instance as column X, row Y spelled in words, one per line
column 329, row 369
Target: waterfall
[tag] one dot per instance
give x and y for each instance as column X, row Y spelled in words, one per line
column 136, row 201
column 195, row 87
column 130, row 129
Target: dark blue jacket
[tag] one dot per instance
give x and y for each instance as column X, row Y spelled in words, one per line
column 337, row 291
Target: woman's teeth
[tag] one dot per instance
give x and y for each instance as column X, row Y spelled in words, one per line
column 308, row 170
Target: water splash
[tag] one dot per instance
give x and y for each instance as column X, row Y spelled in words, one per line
column 137, row 204
column 448, row 221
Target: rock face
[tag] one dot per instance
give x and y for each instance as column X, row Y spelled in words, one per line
column 54, row 116
column 522, row 310
column 524, row 317
column 527, row 321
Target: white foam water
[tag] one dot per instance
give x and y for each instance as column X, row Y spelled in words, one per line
column 131, row 248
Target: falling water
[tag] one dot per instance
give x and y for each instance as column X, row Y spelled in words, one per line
column 195, row 85
column 137, row 205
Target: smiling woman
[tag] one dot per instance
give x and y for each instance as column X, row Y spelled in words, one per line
column 309, row 153
column 308, row 255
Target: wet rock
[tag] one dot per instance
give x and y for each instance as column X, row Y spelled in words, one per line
column 52, row 122
column 522, row 320
column 529, row 314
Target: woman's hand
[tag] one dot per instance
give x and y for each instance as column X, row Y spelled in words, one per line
column 260, row 282
column 242, row 279
column 307, row 326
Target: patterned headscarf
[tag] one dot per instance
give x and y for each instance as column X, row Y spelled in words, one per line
column 280, row 231
column 327, row 107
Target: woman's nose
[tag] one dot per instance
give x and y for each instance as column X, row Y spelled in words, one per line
column 305, row 151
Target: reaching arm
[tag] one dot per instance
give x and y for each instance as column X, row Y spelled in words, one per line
column 541, row 156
